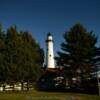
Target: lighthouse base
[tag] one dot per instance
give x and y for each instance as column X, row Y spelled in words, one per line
column 51, row 80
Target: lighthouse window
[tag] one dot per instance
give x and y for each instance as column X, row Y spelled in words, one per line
column 50, row 55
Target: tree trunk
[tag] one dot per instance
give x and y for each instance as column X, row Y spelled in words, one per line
column 22, row 86
column 13, row 87
column 27, row 85
column 4, row 87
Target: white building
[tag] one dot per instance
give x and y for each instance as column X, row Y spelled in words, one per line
column 50, row 52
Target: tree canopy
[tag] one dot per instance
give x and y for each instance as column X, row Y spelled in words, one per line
column 21, row 57
column 79, row 52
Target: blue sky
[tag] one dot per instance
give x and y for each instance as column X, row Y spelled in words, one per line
column 55, row 16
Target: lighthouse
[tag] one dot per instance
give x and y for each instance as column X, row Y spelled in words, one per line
column 50, row 52
column 51, row 74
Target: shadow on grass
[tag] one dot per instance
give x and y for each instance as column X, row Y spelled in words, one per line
column 93, row 92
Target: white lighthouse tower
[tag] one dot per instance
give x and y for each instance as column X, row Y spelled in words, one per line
column 50, row 52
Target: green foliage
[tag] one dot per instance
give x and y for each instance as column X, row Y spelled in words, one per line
column 21, row 57
column 79, row 53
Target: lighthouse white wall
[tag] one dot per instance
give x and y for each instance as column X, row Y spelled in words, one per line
column 50, row 52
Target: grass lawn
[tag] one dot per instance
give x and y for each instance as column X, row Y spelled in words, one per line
column 36, row 95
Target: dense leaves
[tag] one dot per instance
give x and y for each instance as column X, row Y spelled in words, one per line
column 80, row 56
column 21, row 57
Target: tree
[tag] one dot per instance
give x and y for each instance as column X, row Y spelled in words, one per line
column 79, row 54
column 21, row 57
column 32, row 58
column 3, row 76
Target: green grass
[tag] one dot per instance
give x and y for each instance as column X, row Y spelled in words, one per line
column 36, row 95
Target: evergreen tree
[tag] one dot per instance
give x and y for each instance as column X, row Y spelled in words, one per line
column 3, row 69
column 80, row 55
column 21, row 57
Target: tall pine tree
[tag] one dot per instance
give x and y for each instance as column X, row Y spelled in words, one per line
column 21, row 57
column 80, row 55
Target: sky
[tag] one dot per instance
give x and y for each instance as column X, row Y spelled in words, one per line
column 56, row 16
